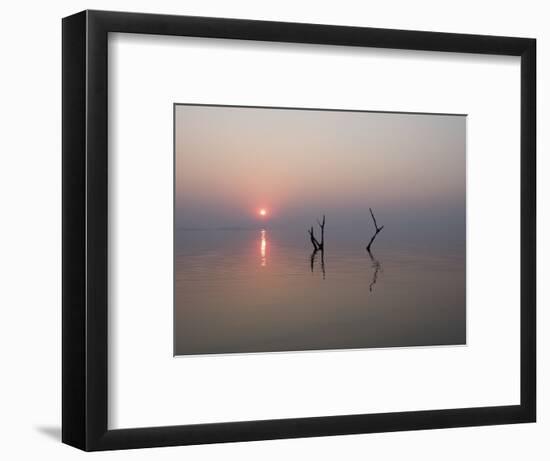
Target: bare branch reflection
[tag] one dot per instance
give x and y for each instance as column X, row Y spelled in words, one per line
column 377, row 268
column 312, row 259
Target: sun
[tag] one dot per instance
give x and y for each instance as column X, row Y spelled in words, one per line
column 262, row 212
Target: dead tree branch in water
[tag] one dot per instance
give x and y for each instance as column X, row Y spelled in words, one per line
column 378, row 229
column 322, row 226
column 314, row 241
column 316, row 244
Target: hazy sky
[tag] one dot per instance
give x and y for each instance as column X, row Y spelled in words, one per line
column 297, row 164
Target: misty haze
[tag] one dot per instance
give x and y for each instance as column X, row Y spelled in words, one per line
column 275, row 210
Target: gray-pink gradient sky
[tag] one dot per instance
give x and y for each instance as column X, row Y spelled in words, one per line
column 297, row 164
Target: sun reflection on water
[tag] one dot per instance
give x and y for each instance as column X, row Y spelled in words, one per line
column 263, row 246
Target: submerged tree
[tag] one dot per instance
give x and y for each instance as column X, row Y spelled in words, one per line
column 377, row 230
column 316, row 244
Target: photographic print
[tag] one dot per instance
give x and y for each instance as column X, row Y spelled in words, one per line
column 315, row 229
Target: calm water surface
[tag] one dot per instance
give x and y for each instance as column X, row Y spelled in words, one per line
column 263, row 290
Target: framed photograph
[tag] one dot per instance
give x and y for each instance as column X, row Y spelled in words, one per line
column 277, row 230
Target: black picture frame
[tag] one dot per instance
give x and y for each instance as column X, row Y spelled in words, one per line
column 85, row 220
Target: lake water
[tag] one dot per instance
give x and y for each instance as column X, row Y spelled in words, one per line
column 259, row 290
